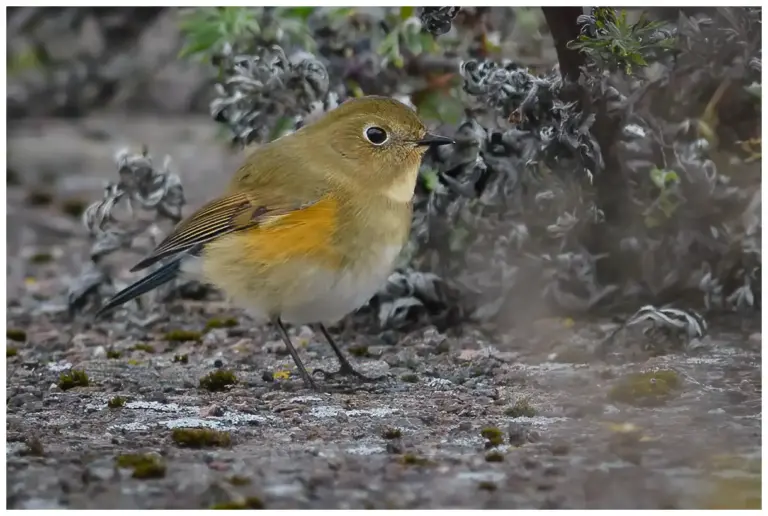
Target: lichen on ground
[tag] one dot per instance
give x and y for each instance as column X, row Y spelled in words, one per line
column 543, row 229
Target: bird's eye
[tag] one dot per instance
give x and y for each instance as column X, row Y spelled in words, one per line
column 376, row 135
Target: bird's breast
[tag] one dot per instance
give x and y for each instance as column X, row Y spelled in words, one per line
column 314, row 267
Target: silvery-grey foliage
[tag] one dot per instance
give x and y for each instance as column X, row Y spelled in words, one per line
column 504, row 181
column 540, row 126
column 514, row 208
column 689, row 322
column 112, row 223
column 410, row 295
column 437, row 20
column 517, row 194
column 261, row 90
column 659, row 328
column 695, row 233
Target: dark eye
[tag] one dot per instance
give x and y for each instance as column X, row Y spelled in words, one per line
column 376, row 135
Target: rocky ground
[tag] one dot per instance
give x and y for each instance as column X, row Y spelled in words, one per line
column 527, row 419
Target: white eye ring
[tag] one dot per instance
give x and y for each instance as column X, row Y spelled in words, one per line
column 374, row 135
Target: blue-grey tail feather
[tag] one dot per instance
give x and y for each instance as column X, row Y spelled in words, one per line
column 153, row 280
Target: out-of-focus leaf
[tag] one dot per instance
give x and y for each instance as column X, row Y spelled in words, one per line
column 440, row 106
column 300, row 12
column 662, row 178
column 430, row 178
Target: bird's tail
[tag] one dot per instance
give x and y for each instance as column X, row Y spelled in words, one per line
column 153, row 280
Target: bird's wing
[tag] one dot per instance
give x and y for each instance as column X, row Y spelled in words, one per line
column 227, row 214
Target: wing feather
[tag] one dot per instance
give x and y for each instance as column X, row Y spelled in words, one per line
column 221, row 216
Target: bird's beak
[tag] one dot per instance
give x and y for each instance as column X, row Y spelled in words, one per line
column 434, row 140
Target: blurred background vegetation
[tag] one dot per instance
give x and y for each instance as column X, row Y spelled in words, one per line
column 612, row 152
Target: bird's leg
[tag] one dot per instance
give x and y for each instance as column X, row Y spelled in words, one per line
column 308, row 381
column 346, row 368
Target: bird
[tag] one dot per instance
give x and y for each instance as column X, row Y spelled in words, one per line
column 310, row 225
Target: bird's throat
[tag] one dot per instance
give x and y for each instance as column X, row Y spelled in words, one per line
column 402, row 188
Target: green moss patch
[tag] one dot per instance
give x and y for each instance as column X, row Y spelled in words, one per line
column 116, row 402
column 238, row 480
column 16, row 335
column 41, row 258
column 359, row 351
column 391, row 433
column 646, row 389
column 200, row 438
column 486, row 485
column 522, row 408
column 494, row 456
column 144, row 465
column 74, row 207
column 212, row 324
column 252, row 502
column 493, row 436
column 218, row 380
column 411, row 459
column 34, row 447
column 183, row 336
column 39, row 198
column 74, row 378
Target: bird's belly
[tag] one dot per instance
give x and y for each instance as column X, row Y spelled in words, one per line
column 302, row 292
column 328, row 296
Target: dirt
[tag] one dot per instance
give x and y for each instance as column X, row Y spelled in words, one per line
column 418, row 439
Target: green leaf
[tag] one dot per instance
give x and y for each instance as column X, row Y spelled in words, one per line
column 442, row 107
column 339, row 13
column 201, row 41
column 430, row 178
column 638, row 59
column 412, row 39
column 283, row 125
column 406, row 12
column 300, row 12
column 662, row 178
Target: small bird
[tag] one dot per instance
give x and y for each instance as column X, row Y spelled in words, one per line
column 311, row 224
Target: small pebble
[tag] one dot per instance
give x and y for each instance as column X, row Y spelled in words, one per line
column 559, row 448
column 275, row 346
column 218, row 465
column 212, row 411
column 305, row 335
column 215, row 336
column 100, row 470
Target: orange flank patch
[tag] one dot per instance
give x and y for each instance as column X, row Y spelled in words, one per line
column 305, row 233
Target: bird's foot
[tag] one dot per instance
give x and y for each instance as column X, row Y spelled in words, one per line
column 347, row 370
